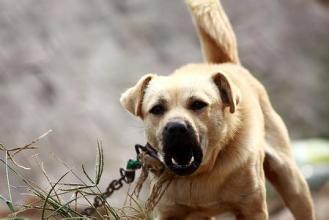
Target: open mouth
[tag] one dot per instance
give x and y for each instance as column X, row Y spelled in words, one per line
column 182, row 151
column 186, row 163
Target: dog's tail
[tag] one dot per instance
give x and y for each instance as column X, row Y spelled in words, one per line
column 215, row 32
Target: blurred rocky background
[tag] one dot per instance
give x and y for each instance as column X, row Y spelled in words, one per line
column 64, row 64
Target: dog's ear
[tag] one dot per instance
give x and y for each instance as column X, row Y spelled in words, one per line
column 216, row 35
column 229, row 92
column 132, row 99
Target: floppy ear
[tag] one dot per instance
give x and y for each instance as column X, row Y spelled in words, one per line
column 132, row 99
column 215, row 32
column 229, row 93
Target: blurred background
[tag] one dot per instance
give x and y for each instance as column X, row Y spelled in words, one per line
column 64, row 64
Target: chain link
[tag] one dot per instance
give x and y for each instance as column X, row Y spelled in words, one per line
column 127, row 176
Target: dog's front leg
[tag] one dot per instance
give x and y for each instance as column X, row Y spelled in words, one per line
column 252, row 212
column 255, row 213
column 198, row 216
column 254, row 207
column 255, row 216
column 180, row 213
column 190, row 217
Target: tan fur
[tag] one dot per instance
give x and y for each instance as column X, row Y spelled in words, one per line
column 239, row 131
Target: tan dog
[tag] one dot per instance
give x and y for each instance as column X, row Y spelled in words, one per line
column 215, row 127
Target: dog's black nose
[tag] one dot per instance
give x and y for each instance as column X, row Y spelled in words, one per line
column 176, row 128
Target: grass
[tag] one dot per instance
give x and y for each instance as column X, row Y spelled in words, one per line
column 64, row 200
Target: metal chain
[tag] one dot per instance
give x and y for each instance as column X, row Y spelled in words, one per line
column 127, row 176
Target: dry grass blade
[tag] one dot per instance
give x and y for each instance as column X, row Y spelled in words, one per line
column 64, row 206
column 49, row 193
column 11, row 153
column 29, row 146
column 48, row 179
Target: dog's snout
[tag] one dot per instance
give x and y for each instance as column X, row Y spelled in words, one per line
column 176, row 128
column 182, row 151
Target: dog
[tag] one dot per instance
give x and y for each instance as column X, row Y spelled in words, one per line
column 217, row 131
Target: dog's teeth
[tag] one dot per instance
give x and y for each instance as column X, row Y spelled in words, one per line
column 174, row 161
column 182, row 165
column 191, row 160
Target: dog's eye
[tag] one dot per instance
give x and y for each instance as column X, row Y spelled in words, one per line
column 157, row 110
column 197, row 105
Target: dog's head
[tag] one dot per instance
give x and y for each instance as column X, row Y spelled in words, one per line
column 187, row 115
